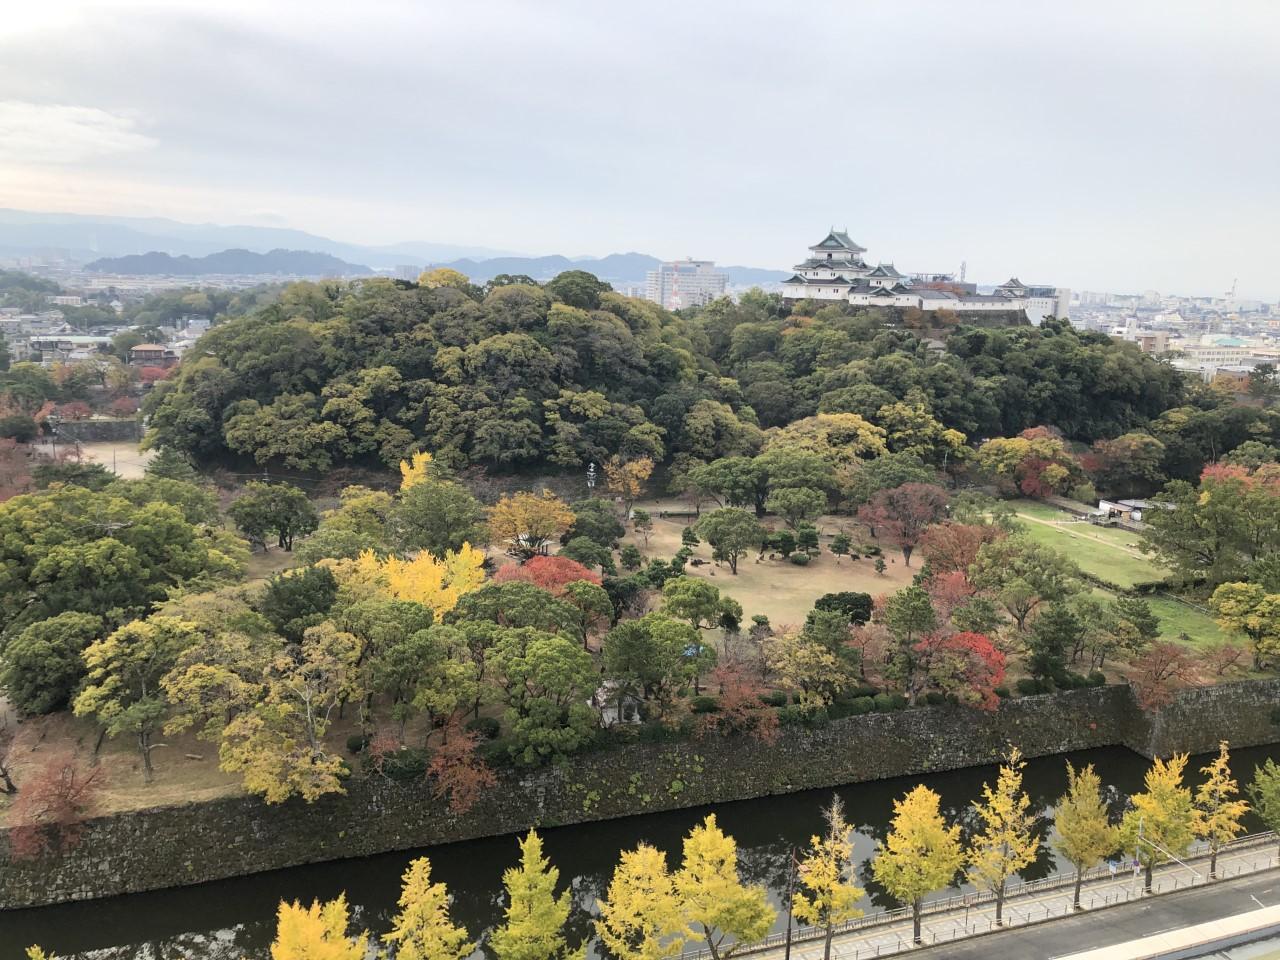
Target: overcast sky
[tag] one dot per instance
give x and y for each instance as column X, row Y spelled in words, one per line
column 1115, row 145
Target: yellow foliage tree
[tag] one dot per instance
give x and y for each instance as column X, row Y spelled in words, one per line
column 415, row 471
column 1084, row 832
column 625, row 478
column 1163, row 819
column 434, row 583
column 839, row 438
column 640, row 916
column 529, row 522
column 829, row 896
column 422, row 929
column 534, row 925
column 921, row 853
column 1005, row 843
column 444, row 277
column 715, row 902
column 277, row 746
column 1220, row 806
column 317, row 932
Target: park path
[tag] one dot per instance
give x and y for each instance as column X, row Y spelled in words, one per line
column 1066, row 525
column 886, row 933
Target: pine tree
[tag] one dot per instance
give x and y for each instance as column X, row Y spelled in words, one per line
column 535, row 916
column 714, row 900
column 1220, row 807
column 1006, row 843
column 921, row 853
column 640, row 915
column 1163, row 819
column 1085, row 834
column 317, row 932
column 422, row 929
column 825, row 873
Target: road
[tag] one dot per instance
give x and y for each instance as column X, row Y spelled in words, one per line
column 1114, row 925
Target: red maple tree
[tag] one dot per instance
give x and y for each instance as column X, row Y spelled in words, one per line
column 51, row 806
column 964, row 665
column 948, row 591
column 904, row 513
column 550, row 573
column 740, row 708
column 459, row 771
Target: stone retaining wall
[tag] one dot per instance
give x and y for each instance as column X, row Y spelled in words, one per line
column 193, row 843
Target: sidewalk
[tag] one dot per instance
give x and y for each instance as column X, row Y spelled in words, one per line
column 885, row 933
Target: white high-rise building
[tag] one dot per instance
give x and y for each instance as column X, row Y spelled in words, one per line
column 685, row 283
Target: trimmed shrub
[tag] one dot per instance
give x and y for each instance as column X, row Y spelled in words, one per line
column 1003, row 692
column 705, row 704
column 357, row 742
column 799, row 559
column 487, row 727
column 775, row 699
column 883, row 702
column 934, row 698
column 405, row 764
column 862, row 705
column 1027, row 686
column 864, row 690
column 1097, row 678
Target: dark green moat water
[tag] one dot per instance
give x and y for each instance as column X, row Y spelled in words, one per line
column 231, row 919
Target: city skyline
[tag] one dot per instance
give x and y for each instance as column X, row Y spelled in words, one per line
column 1084, row 147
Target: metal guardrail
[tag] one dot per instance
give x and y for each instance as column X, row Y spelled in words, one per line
column 1014, row 916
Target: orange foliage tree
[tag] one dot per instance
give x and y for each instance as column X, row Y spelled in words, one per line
column 552, row 574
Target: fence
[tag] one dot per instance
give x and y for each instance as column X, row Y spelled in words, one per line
column 1013, row 914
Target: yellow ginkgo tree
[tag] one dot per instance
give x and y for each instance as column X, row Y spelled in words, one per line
column 422, row 929
column 1005, row 842
column 921, row 853
column 1220, row 806
column 317, row 932
column 433, row 582
column 720, row 909
column 416, row 470
column 640, row 917
column 533, row 928
column 828, row 896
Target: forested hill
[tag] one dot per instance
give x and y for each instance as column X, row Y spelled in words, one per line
column 298, row 263
column 514, row 376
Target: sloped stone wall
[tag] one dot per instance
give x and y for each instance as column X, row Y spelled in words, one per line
column 193, row 843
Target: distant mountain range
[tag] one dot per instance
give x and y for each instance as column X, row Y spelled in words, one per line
column 616, row 268
column 300, row 263
column 150, row 246
column 87, row 237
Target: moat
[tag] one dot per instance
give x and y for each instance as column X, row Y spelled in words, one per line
column 230, row 919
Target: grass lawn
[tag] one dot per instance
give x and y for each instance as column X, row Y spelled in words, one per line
column 1108, row 553
column 1038, row 510
column 1178, row 618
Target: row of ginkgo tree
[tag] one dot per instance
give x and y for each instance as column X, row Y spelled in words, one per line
column 651, row 912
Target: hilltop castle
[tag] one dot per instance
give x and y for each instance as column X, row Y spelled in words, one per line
column 836, row 270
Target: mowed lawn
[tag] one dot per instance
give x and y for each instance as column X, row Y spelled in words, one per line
column 1107, row 553
column 1177, row 619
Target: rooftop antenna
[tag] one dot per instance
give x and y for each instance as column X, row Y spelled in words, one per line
column 964, row 265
